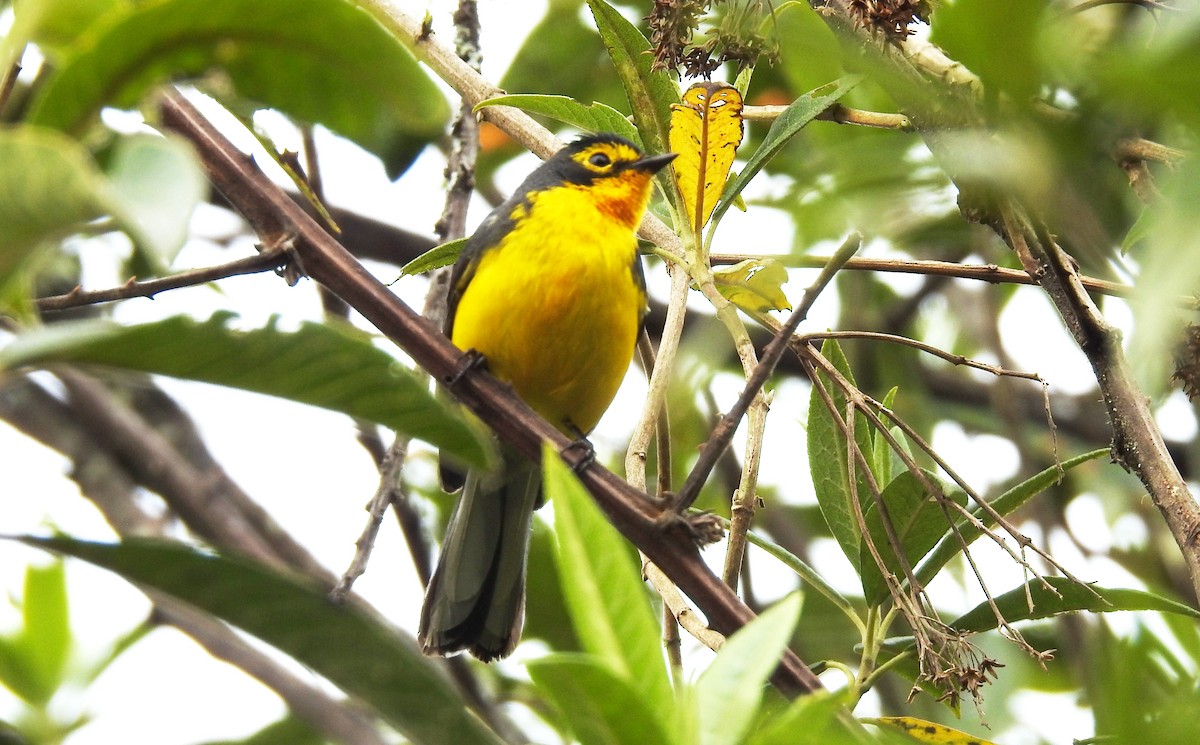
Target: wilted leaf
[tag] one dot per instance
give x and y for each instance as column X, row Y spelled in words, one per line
column 706, row 129
column 932, row 733
column 754, row 285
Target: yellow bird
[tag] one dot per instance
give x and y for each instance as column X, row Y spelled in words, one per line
column 550, row 291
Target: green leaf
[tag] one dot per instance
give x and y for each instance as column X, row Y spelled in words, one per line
column 794, row 118
column 882, row 458
column 157, row 182
column 46, row 637
column 827, row 457
column 729, row 692
column 754, row 285
column 602, row 707
column 350, row 648
column 1006, row 62
column 602, row 584
column 56, row 24
column 595, row 117
column 337, row 369
column 435, row 258
column 918, row 521
column 650, row 93
column 1005, row 504
column 49, row 187
column 1074, row 597
column 287, row 731
column 322, row 61
column 809, row 720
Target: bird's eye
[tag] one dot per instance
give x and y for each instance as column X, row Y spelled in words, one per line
column 600, row 160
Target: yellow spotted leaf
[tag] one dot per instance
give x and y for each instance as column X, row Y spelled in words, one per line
column 754, row 285
column 706, row 129
column 929, row 732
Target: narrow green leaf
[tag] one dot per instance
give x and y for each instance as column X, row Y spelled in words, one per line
column 337, row 369
column 49, row 187
column 435, row 258
column 601, row 707
column 157, row 182
column 882, row 458
column 322, row 61
column 827, row 457
column 594, row 117
column 794, row 118
column 650, row 93
column 1074, row 597
column 602, row 584
column 1005, row 504
column 46, row 636
column 351, row 649
column 729, row 692
column 918, row 521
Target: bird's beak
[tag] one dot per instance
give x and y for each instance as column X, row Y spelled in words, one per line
column 653, row 163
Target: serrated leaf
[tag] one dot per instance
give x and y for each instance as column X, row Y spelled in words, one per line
column 932, row 733
column 754, row 285
column 1074, row 597
column 650, row 92
column 157, row 182
column 351, row 649
column 601, row 707
column 827, row 457
column 603, row 587
column 794, row 118
column 729, row 693
column 1004, row 505
column 918, row 521
column 318, row 365
column 322, row 61
column 594, row 117
column 435, row 258
column 706, row 129
column 49, row 187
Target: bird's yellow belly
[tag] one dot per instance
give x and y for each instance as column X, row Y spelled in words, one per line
column 556, row 315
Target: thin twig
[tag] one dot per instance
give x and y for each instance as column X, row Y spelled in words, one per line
column 722, row 434
column 836, row 113
column 268, row 260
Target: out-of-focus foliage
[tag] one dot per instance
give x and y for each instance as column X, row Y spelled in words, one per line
column 894, row 485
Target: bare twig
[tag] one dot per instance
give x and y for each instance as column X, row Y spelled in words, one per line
column 268, row 260
column 836, row 113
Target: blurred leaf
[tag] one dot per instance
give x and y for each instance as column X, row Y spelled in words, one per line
column 562, row 54
column 705, row 131
column 918, row 520
column 754, row 285
column 650, row 93
column 1074, row 597
column 287, row 731
column 435, row 258
column 827, row 456
column 1004, row 505
column 997, row 41
column 729, row 692
column 595, row 117
column 46, row 637
column 49, row 187
column 601, row 706
column 351, row 649
column 546, row 614
column 809, row 720
column 921, row 730
column 801, row 111
column 53, row 24
column 322, row 61
column 157, row 182
column 336, row 369
column 602, row 584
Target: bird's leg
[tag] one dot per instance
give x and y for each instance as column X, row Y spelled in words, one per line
column 587, row 452
column 470, row 360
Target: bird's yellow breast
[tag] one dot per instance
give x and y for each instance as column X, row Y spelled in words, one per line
column 556, row 306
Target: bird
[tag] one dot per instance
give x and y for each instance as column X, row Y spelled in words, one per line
column 550, row 293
